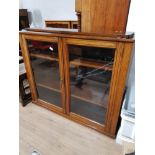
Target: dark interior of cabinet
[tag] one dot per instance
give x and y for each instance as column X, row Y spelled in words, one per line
column 45, row 66
column 47, row 80
column 88, row 110
column 90, row 76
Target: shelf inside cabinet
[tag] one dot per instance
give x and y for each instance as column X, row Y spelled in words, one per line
column 89, row 111
column 49, row 95
column 92, row 92
column 45, row 56
column 92, row 64
column 87, row 100
column 85, row 97
column 48, row 87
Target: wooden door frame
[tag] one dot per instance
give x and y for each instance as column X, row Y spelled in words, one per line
column 124, row 56
column 31, row 78
column 118, row 75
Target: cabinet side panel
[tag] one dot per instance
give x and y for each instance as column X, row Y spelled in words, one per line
column 127, row 52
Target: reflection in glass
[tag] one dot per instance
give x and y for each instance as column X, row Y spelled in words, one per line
column 45, row 66
column 90, row 75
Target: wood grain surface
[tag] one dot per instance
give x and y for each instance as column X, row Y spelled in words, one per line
column 51, row 134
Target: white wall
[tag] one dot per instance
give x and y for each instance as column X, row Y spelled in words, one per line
column 20, row 4
column 42, row 10
column 131, row 17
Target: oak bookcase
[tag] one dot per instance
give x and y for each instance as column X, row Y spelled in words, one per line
column 80, row 76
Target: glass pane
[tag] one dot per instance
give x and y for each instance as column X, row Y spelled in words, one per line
column 45, row 65
column 90, row 76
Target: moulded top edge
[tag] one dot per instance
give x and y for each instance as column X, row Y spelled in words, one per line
column 73, row 33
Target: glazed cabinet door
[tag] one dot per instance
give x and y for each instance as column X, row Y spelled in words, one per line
column 43, row 59
column 89, row 66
